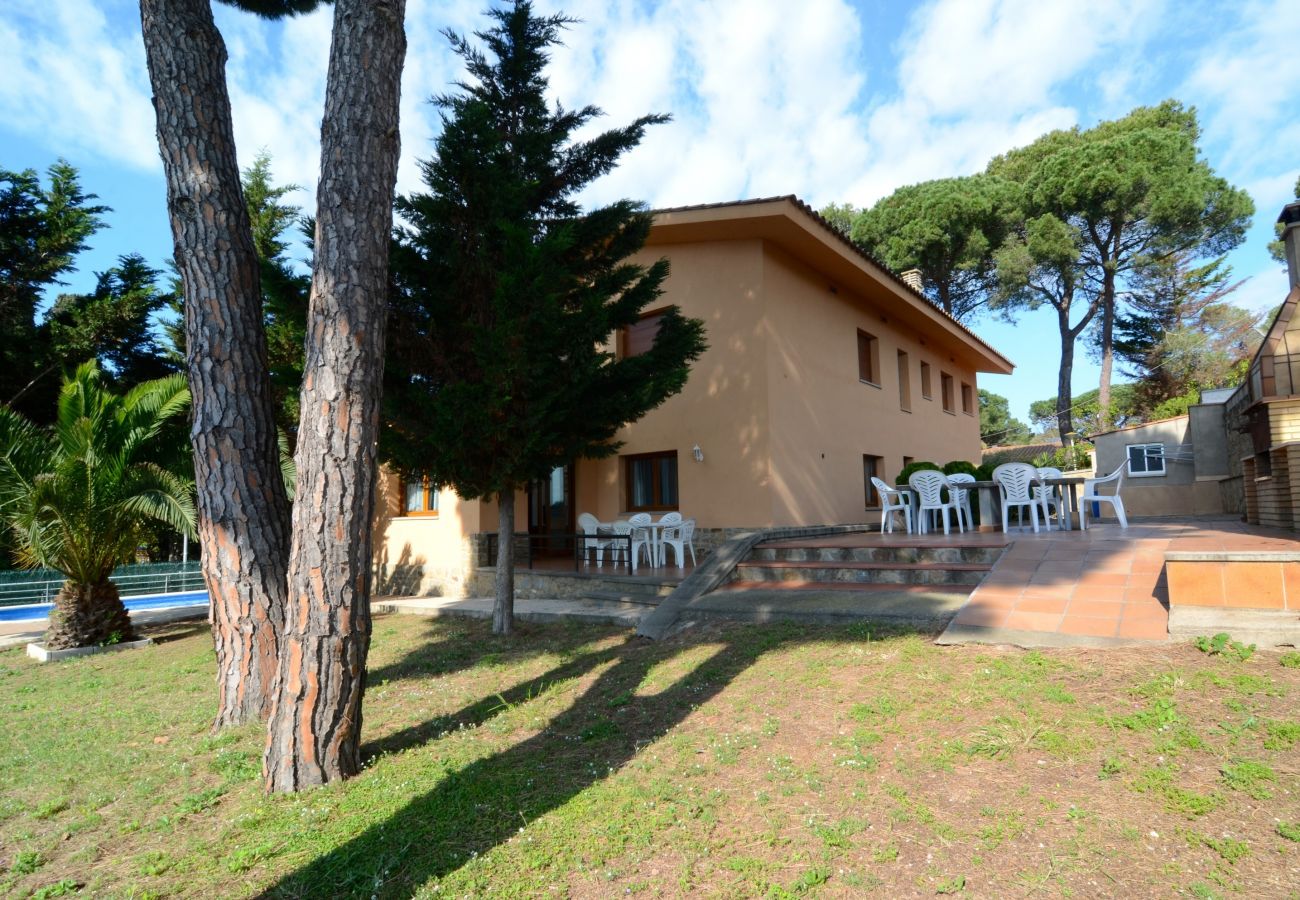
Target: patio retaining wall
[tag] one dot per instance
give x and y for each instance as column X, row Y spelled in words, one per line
column 1252, row 595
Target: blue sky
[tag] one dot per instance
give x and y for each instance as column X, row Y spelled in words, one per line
column 828, row 99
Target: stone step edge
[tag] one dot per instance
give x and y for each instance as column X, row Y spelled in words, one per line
column 891, row 545
column 864, row 566
column 854, row 587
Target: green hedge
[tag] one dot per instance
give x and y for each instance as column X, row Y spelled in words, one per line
column 918, row 466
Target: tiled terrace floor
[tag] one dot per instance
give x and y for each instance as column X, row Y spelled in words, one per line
column 1105, row 583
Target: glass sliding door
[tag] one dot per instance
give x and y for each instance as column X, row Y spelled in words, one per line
column 551, row 517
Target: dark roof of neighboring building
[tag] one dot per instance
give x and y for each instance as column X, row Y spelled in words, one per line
column 847, row 242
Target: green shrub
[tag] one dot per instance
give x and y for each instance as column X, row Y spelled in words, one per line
column 918, row 466
column 961, row 467
column 984, row 471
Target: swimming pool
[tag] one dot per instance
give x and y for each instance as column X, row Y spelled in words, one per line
column 37, row 611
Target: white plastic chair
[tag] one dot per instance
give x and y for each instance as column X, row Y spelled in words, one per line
column 929, row 487
column 1014, row 486
column 679, row 538
column 961, row 496
column 619, row 546
column 892, row 500
column 592, row 541
column 667, row 520
column 1049, row 495
column 641, row 537
column 1090, row 495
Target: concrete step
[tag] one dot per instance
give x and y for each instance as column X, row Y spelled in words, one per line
column 864, row 572
column 927, row 608
column 624, row 598
column 790, row 552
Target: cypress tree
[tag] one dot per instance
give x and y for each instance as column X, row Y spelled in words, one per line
column 507, row 293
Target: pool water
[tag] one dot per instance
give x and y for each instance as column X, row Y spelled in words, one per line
column 37, row 611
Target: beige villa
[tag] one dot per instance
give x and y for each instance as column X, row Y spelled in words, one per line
column 823, row 369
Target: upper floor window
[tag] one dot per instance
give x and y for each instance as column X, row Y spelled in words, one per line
column 1146, row 459
column 926, row 388
column 419, row 498
column 946, row 389
column 967, row 399
column 904, row 383
column 637, row 339
column 868, row 358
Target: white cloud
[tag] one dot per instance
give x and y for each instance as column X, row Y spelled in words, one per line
column 979, row 77
column 74, row 77
column 1244, row 87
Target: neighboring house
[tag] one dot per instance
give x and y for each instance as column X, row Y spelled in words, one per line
column 823, row 369
column 1172, row 467
column 1242, row 443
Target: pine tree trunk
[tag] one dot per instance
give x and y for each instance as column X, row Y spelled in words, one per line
column 503, row 609
column 314, row 734
column 87, row 615
column 1107, row 349
column 1064, row 398
column 243, row 511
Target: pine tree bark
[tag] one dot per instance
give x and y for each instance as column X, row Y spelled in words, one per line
column 243, row 510
column 1064, row 392
column 315, row 726
column 1107, row 348
column 503, row 607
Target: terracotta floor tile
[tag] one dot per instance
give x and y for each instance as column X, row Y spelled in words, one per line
column 1146, row 610
column 997, row 577
column 1132, row 594
column 1148, row 562
column 981, row 616
column 1016, row 564
column 1111, row 592
column 1119, row 579
column 1087, row 605
column 1064, row 570
column 1001, row 601
column 1032, row 621
column 1042, row 604
column 1049, row 591
column 1050, row 578
column 1144, row 629
column 1103, row 626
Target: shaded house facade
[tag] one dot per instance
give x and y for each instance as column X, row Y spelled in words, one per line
column 823, row 369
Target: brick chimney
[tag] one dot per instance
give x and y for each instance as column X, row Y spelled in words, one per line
column 1290, row 221
column 912, row 277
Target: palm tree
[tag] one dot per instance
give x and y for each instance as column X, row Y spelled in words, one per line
column 76, row 497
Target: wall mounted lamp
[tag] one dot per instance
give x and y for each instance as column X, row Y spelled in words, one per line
column 697, row 453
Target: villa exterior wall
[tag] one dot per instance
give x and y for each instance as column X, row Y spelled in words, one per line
column 775, row 403
column 828, row 417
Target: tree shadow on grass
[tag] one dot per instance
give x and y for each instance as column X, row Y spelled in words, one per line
column 458, row 644
column 478, row 807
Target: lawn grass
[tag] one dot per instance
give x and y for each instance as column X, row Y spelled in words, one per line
column 736, row 761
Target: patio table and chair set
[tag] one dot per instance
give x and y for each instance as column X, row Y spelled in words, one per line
column 931, row 497
column 635, row 537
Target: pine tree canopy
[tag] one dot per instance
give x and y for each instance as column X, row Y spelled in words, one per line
column 508, row 295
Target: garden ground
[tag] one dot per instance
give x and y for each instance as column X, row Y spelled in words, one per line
column 730, row 761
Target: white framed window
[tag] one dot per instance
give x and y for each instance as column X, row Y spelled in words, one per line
column 1145, row 460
